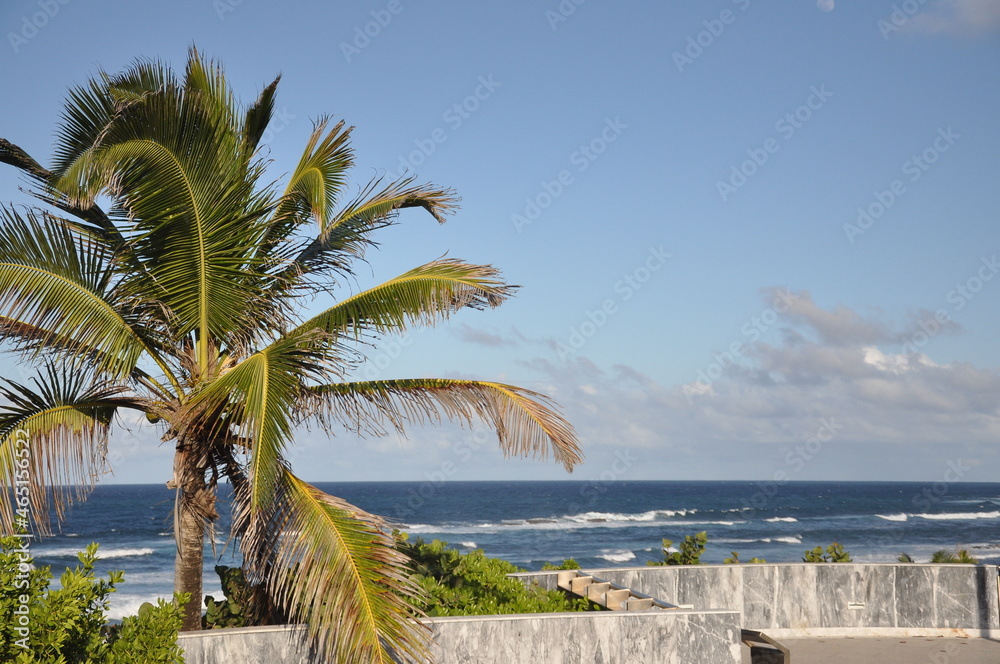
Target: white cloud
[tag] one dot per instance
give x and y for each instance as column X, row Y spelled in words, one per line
column 828, row 364
column 958, row 17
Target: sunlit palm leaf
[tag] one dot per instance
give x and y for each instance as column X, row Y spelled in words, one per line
column 424, row 295
column 321, row 173
column 260, row 395
column 64, row 421
column 177, row 163
column 525, row 421
column 258, row 116
column 59, row 287
column 333, row 566
column 346, row 237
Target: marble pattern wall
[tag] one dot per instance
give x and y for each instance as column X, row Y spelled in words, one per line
column 670, row 637
column 827, row 595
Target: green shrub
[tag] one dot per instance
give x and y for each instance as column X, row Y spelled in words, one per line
column 735, row 559
column 474, row 584
column 961, row 556
column 243, row 604
column 689, row 554
column 568, row 563
column 66, row 625
column 834, row 554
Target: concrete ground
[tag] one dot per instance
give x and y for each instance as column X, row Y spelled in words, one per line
column 899, row 650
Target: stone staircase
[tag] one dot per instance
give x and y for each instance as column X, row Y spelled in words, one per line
column 609, row 595
column 612, row 596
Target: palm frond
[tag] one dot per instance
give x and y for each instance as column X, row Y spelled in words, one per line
column 346, row 236
column 95, row 221
column 58, row 286
column 525, row 421
column 258, row 399
column 53, row 440
column 258, row 116
column 175, row 162
column 320, row 174
column 333, row 566
column 424, row 295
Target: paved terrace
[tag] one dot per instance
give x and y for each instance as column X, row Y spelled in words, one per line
column 914, row 650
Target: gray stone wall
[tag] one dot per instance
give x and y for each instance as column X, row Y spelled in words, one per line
column 670, row 637
column 825, row 595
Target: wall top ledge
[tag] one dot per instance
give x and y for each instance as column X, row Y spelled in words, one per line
column 651, row 614
column 647, row 568
column 591, row 615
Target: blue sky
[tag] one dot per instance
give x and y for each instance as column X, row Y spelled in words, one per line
column 755, row 240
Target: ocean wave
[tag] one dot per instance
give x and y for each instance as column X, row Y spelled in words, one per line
column 617, row 556
column 102, row 554
column 892, row 517
column 601, row 517
column 122, row 605
column 797, row 539
column 468, row 545
column 650, row 519
column 782, row 519
column 960, row 516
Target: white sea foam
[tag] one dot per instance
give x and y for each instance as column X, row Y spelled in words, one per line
column 102, row 554
column 960, row 516
column 651, row 515
column 617, row 556
column 122, row 605
column 797, row 539
column 468, row 545
column 892, row 517
column 782, row 519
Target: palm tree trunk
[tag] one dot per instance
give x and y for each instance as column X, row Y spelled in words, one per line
column 194, row 506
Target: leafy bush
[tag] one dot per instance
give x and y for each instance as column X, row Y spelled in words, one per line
column 568, row 563
column 689, row 554
column 834, row 554
column 66, row 625
column 961, row 556
column 243, row 604
column 734, row 559
column 473, row 584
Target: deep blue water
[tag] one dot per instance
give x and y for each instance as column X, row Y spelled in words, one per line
column 601, row 524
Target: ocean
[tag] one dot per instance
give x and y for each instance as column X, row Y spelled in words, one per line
column 600, row 524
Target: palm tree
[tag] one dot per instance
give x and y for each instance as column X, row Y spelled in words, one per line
column 179, row 301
